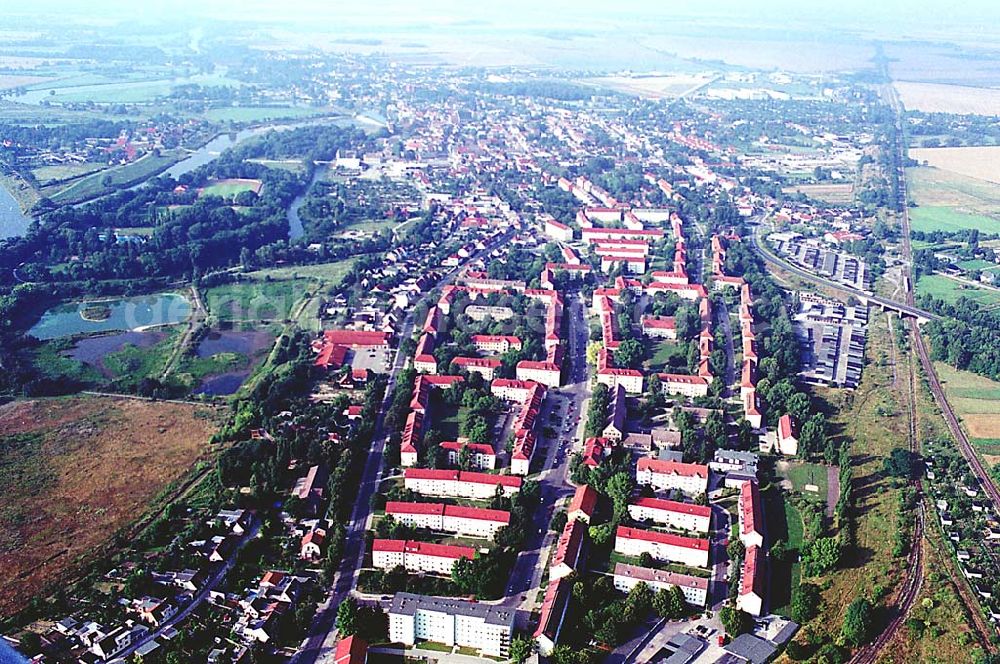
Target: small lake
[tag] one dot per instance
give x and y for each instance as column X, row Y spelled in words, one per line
column 13, row 222
column 247, row 343
column 123, row 314
column 93, row 350
column 223, row 384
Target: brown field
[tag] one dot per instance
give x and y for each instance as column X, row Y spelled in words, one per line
column 831, row 193
column 937, row 187
column 982, row 163
column 77, row 470
column 982, row 425
column 937, row 98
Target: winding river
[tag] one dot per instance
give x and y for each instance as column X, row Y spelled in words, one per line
column 13, row 222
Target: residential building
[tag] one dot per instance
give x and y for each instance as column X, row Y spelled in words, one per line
column 690, row 478
column 683, row 384
column 752, row 583
column 691, row 551
column 569, row 550
column 671, row 513
column 553, row 612
column 546, row 373
column 751, row 515
column 459, row 483
column 659, row 327
column 788, row 436
column 468, row 521
column 583, row 504
column 695, row 588
column 484, row 627
column 418, row 557
column 481, row 455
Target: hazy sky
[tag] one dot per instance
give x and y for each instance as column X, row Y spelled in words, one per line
column 886, row 16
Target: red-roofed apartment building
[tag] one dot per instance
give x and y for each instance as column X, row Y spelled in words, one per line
column 751, row 515
column 659, row 327
column 690, row 478
column 683, row 516
column 459, row 483
column 752, row 583
column 468, row 521
column 419, row 557
column 695, row 588
column 569, row 550
column 481, row 455
column 351, row 650
column 583, row 504
column 553, row 611
column 788, row 439
column 691, row 551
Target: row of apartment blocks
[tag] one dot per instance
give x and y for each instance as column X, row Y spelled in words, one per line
column 413, row 429
column 530, row 395
column 568, row 558
column 753, row 582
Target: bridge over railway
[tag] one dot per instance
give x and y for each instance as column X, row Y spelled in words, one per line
column 884, row 303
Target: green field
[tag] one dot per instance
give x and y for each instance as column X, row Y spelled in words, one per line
column 132, row 363
column 229, row 189
column 951, row 290
column 976, row 400
column 330, row 273
column 121, row 176
column 665, row 354
column 260, row 113
column 979, row 264
column 800, row 474
column 941, row 218
column 255, row 300
column 46, row 174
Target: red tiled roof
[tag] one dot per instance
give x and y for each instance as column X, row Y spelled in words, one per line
column 674, row 506
column 750, row 509
column 668, row 539
column 584, row 500
column 672, row 467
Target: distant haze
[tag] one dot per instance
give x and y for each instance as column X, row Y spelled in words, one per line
column 885, row 18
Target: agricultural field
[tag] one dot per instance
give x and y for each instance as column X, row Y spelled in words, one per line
column 930, row 187
column 230, row 187
column 950, row 219
column 256, row 300
column 76, row 471
column 939, row 98
column 950, row 290
column 980, row 163
column 976, row 401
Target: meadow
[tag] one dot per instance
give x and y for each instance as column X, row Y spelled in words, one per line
column 950, row 290
column 261, row 113
column 255, row 300
column 76, row 471
column 950, row 219
column 230, row 187
column 976, row 401
column 92, row 185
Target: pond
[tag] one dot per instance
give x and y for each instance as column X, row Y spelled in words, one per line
column 223, row 384
column 93, row 350
column 247, row 342
column 133, row 313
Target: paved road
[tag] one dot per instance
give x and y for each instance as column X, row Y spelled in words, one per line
column 322, row 639
column 568, row 405
column 199, row 597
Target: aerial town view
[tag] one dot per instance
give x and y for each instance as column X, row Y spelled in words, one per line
column 433, row 332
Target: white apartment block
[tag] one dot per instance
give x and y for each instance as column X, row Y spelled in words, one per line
column 483, row 627
column 459, row 483
column 463, row 521
column 418, row 557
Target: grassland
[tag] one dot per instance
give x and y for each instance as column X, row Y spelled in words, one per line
column 801, row 474
column 873, row 421
column 950, row 290
column 256, row 300
column 77, row 470
column 830, row 193
column 664, row 354
column 121, row 176
column 328, row 273
column 48, row 174
column 229, row 188
column 949, row 219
